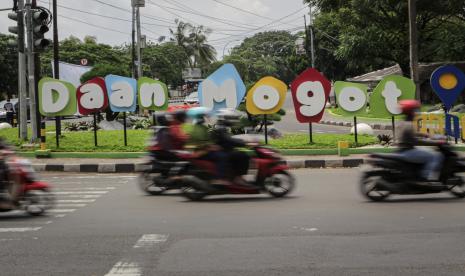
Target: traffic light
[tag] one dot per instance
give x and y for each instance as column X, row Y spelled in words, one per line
column 40, row 21
column 18, row 29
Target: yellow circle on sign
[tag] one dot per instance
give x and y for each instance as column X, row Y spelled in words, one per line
column 448, row 81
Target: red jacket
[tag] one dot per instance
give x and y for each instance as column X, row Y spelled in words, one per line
column 178, row 137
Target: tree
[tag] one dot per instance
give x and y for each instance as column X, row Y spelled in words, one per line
column 267, row 54
column 165, row 62
column 193, row 39
column 367, row 34
column 72, row 50
column 8, row 66
column 104, row 69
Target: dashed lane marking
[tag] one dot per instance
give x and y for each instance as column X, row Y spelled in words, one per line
column 81, row 193
column 149, row 240
column 20, row 229
column 126, row 269
column 61, row 210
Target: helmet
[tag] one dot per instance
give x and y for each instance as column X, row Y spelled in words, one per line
column 408, row 107
column 163, row 120
column 180, row 115
column 198, row 114
column 227, row 117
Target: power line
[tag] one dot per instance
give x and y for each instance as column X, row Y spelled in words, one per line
column 256, row 29
column 93, row 25
column 192, row 11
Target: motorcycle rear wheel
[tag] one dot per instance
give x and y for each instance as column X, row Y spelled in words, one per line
column 147, row 182
column 38, row 201
column 279, row 184
column 370, row 188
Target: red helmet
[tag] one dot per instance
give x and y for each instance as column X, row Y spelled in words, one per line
column 409, row 106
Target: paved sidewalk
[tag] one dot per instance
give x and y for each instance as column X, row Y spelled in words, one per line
column 91, row 165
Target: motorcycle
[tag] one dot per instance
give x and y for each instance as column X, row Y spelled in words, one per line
column 272, row 177
column 163, row 175
column 34, row 196
column 389, row 174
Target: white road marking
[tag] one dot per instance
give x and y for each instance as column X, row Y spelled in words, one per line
column 75, row 200
column 149, row 240
column 80, row 196
column 66, row 205
column 80, row 193
column 60, row 215
column 3, row 240
column 126, row 269
column 80, row 189
column 22, row 229
column 61, row 210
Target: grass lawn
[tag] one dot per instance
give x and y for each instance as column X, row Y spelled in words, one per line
column 112, row 141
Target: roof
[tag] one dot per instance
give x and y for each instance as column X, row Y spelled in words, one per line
column 376, row 76
column 425, row 71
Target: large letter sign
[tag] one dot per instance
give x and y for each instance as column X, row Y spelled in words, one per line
column 121, row 93
column 351, row 97
column 386, row 96
column 92, row 96
column 153, row 95
column 266, row 96
column 310, row 92
column 56, row 98
column 222, row 89
column 448, row 82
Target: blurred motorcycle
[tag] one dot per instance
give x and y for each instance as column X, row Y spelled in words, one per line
column 272, row 177
column 388, row 174
column 32, row 195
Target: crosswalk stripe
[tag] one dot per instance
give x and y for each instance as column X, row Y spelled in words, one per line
column 80, row 192
column 83, row 189
column 126, row 269
column 70, row 205
column 80, row 196
column 75, row 200
column 20, row 229
column 61, row 210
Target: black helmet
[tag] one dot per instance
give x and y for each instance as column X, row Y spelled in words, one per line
column 180, row 116
column 227, row 117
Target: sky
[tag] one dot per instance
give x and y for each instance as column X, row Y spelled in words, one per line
column 230, row 20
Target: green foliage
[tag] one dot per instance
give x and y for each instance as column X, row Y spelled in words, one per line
column 267, row 54
column 358, row 36
column 79, row 126
column 112, row 141
column 72, row 50
column 321, row 141
column 165, row 62
column 104, row 69
column 141, row 123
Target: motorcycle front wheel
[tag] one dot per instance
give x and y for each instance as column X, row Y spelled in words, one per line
column 371, row 188
column 148, row 182
column 456, row 187
column 279, row 184
column 36, row 202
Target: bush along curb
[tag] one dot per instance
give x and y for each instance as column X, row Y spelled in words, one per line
column 348, row 124
column 139, row 167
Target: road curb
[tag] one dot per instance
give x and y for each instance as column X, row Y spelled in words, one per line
column 139, row 167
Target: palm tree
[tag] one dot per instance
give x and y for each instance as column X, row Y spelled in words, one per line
column 204, row 53
column 194, row 42
column 182, row 37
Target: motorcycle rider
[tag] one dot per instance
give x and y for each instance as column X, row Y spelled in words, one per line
column 9, row 179
column 408, row 140
column 227, row 155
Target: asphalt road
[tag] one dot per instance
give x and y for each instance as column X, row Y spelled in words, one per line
column 104, row 225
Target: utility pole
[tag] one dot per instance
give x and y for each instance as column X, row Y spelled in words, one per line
column 412, row 8
column 133, row 46
column 312, row 47
column 31, row 70
column 139, row 53
column 56, row 71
